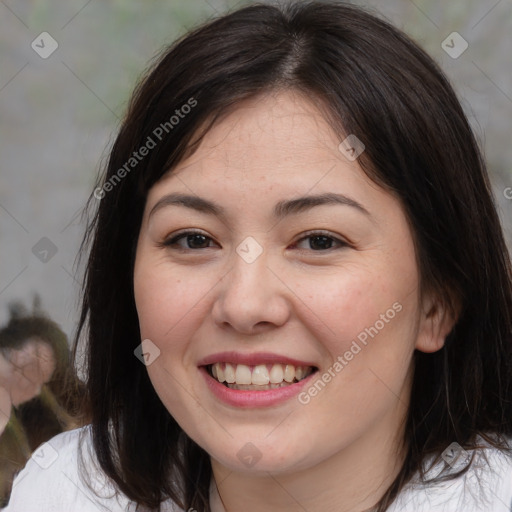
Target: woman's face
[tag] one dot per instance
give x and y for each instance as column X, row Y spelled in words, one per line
column 33, row 366
column 299, row 264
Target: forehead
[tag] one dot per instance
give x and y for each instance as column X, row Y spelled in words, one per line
column 34, row 348
column 279, row 142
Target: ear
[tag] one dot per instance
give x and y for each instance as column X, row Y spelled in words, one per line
column 436, row 322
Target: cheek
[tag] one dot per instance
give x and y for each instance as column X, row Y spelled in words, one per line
column 166, row 304
column 347, row 303
column 370, row 343
column 366, row 320
column 172, row 304
column 170, row 311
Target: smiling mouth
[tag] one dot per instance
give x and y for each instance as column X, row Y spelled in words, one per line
column 258, row 378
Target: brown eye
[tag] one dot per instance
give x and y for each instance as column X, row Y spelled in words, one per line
column 189, row 240
column 321, row 242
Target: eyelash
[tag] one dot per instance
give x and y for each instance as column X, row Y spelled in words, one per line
column 169, row 243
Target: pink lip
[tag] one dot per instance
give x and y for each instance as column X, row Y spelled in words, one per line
column 251, row 359
column 252, row 399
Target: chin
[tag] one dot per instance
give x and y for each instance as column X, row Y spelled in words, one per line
column 259, row 456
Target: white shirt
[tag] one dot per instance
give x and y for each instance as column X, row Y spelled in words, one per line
column 51, row 482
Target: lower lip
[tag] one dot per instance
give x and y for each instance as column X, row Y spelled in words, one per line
column 249, row 399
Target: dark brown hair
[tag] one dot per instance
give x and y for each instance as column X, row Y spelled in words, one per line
column 372, row 81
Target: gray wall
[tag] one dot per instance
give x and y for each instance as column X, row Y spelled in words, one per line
column 58, row 114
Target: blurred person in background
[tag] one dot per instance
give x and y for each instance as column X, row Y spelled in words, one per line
column 39, row 395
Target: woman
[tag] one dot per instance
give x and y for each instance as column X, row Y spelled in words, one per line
column 35, row 374
column 296, row 236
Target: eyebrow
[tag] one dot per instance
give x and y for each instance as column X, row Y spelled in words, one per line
column 282, row 209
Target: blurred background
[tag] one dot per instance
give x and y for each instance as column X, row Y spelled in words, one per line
column 67, row 69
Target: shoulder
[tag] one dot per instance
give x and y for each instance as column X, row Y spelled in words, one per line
column 487, row 484
column 52, row 480
column 63, row 474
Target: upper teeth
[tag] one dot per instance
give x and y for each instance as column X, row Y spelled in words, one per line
column 260, row 375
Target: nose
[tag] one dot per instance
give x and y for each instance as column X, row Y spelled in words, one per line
column 251, row 298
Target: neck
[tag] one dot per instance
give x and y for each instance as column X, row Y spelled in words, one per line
column 351, row 480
